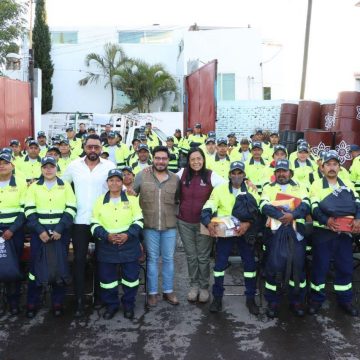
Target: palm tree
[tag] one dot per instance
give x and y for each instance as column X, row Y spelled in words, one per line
column 114, row 57
column 143, row 84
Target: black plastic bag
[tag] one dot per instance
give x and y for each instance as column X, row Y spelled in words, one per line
column 341, row 202
column 9, row 262
column 51, row 266
column 283, row 262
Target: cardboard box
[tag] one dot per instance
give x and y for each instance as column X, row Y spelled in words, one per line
column 225, row 227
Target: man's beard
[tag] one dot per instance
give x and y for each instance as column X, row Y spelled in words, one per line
column 93, row 156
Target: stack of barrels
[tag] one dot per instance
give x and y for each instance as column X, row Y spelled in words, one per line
column 323, row 126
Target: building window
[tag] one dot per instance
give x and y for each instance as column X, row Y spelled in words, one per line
column 64, row 37
column 145, row 37
column 267, row 93
column 226, row 86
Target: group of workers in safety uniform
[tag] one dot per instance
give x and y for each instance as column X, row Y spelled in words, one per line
column 33, row 197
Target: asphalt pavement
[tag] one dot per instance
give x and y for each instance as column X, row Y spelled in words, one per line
column 186, row 331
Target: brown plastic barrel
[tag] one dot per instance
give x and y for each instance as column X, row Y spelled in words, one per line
column 288, row 116
column 343, row 140
column 327, row 119
column 347, row 112
column 319, row 140
column 308, row 115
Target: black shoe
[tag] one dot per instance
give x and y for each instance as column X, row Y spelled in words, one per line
column 253, row 308
column 97, row 304
column 129, row 314
column 14, row 310
column 314, row 307
column 58, row 311
column 272, row 311
column 349, row 309
column 31, row 312
column 216, row 305
column 109, row 314
column 297, row 309
column 79, row 310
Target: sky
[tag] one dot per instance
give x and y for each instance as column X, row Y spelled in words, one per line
column 334, row 53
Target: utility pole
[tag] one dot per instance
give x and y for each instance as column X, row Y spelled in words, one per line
column 306, row 50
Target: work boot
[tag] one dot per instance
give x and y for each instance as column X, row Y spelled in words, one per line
column 216, row 305
column 2, row 310
column 204, row 296
column 251, row 305
column 272, row 310
column 31, row 311
column 79, row 310
column 171, row 298
column 14, row 310
column 193, row 294
column 129, row 314
column 297, row 309
column 58, row 310
column 349, row 309
column 314, row 307
column 152, row 300
column 109, row 313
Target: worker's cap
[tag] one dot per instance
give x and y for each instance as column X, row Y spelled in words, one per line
column 282, row 164
column 33, row 142
column 211, row 134
column 300, row 141
column 170, row 138
column 91, row 128
column 111, row 134
column 177, row 130
column 210, row 140
column 274, row 134
column 48, row 160
column 6, row 157
column 28, row 138
column 54, row 148
column 232, row 134
column 56, row 142
column 280, row 147
column 7, row 150
column 142, row 137
column 14, row 142
column 127, row 168
column 70, row 128
column 302, row 147
column 258, row 131
column 237, row 165
column 244, row 141
column 221, row 141
column 105, row 153
column 41, row 134
column 148, row 123
column 331, row 155
column 322, row 154
column 354, row 147
column 197, row 126
column 64, row 141
column 117, row 133
column 256, row 144
column 189, row 129
column 84, row 136
column 115, row 172
column 143, row 147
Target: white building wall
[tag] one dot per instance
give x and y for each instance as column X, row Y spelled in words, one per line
column 238, row 51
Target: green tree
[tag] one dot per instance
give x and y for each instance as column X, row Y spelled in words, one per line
column 42, row 57
column 12, row 25
column 114, row 58
column 143, row 84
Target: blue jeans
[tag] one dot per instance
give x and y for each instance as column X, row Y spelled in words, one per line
column 160, row 242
